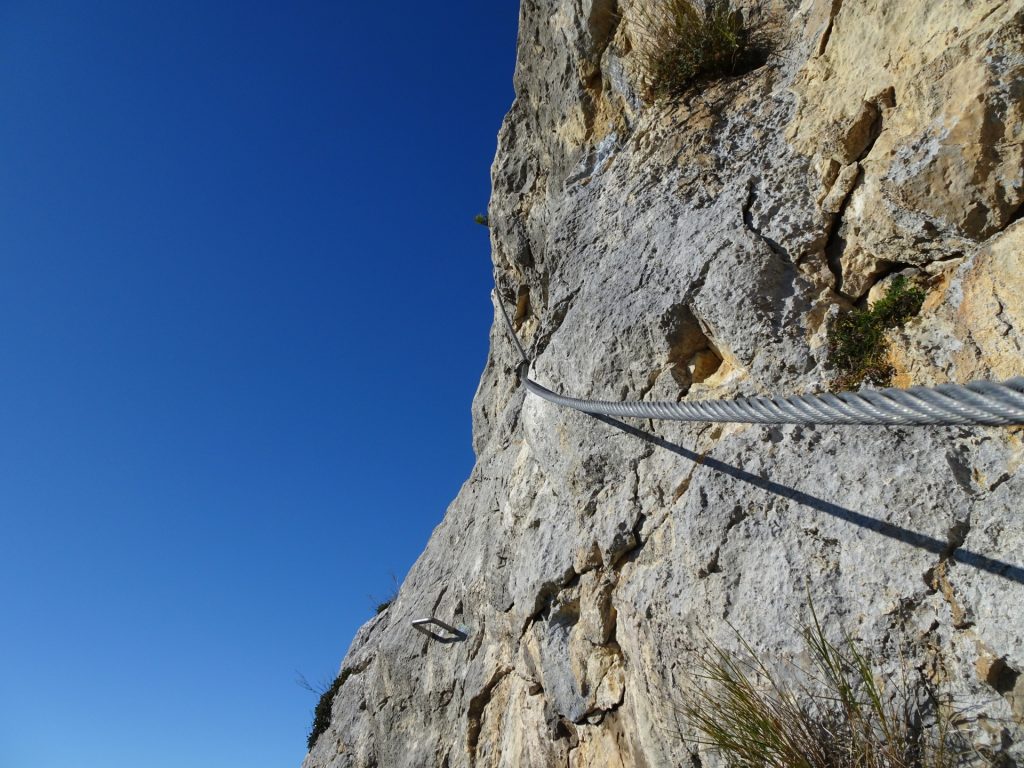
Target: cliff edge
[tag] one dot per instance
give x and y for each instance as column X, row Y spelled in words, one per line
column 701, row 247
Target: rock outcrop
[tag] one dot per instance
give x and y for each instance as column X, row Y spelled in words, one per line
column 699, row 249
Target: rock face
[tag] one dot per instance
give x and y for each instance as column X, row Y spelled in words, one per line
column 699, row 249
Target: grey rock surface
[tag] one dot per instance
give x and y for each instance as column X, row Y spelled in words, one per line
column 698, row 249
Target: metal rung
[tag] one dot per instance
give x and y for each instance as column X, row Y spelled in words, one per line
column 454, row 635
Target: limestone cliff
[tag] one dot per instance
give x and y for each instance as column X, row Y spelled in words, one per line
column 697, row 249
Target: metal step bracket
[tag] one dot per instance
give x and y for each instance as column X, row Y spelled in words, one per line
column 445, row 633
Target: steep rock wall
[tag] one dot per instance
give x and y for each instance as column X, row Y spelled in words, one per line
column 699, row 249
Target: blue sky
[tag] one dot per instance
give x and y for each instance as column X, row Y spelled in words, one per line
column 243, row 311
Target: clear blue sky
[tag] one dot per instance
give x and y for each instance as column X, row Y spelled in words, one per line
column 231, row 233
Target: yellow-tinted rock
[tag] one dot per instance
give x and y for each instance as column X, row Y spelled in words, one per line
column 703, row 364
column 926, row 95
column 974, row 328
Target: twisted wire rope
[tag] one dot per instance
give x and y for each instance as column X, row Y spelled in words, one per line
column 979, row 402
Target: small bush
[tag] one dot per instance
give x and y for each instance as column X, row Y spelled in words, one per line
column 682, row 40
column 383, row 606
column 857, row 345
column 322, row 714
column 481, row 219
column 836, row 716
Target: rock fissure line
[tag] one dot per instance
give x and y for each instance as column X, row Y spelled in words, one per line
column 475, row 713
column 748, row 221
column 827, row 34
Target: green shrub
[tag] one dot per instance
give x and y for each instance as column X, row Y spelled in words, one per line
column 481, row 219
column 322, row 714
column 857, row 345
column 836, row 715
column 682, row 40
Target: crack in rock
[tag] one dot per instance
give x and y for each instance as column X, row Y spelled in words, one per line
column 475, row 713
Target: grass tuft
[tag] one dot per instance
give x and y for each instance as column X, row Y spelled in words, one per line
column 322, row 714
column 680, row 41
column 857, row 345
column 380, row 605
column 835, row 715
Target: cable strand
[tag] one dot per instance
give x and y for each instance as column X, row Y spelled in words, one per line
column 979, row 402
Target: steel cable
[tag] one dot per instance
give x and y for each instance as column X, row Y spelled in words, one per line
column 980, row 402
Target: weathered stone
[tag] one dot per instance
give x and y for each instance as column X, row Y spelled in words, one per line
column 927, row 94
column 972, row 325
column 700, row 249
column 832, row 201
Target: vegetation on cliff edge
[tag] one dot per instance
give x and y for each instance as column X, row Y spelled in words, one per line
column 322, row 714
column 680, row 41
column 837, row 714
column 857, row 345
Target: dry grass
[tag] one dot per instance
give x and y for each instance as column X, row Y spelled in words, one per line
column 681, row 41
column 836, row 715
